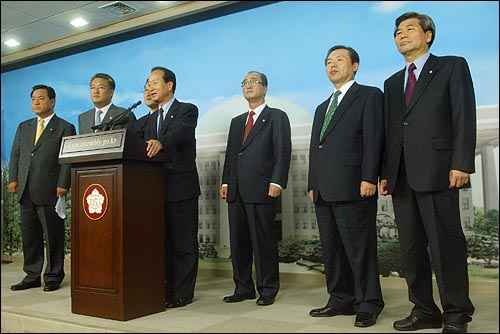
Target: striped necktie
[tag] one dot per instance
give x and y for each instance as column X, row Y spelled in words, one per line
column 329, row 113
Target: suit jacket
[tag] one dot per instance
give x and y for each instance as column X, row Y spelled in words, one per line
column 264, row 157
column 179, row 144
column 139, row 126
column 86, row 120
column 37, row 167
column 351, row 149
column 437, row 131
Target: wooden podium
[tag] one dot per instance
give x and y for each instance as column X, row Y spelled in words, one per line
column 117, row 225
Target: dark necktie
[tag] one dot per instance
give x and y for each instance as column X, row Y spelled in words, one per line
column 329, row 113
column 249, row 125
column 410, row 83
column 160, row 123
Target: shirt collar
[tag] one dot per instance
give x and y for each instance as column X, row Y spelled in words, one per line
column 104, row 109
column 345, row 87
column 167, row 105
column 46, row 120
column 258, row 110
column 419, row 64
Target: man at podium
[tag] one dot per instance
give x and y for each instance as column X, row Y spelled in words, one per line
column 173, row 131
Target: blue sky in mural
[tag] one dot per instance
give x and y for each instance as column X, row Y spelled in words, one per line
column 287, row 41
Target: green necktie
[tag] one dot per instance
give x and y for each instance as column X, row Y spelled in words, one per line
column 329, row 113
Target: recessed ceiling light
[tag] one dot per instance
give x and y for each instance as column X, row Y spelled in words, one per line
column 79, row 22
column 12, row 42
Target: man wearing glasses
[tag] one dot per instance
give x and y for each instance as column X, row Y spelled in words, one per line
column 140, row 124
column 255, row 173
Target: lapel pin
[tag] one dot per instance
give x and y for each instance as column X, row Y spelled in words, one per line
column 430, row 72
column 264, row 120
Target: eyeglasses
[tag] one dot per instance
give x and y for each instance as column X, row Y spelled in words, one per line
column 250, row 83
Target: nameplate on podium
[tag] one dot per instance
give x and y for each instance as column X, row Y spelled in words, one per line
column 105, row 145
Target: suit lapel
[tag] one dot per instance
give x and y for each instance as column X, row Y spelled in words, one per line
column 32, row 130
column 110, row 115
column 398, row 84
column 319, row 118
column 170, row 115
column 347, row 100
column 429, row 70
column 239, row 126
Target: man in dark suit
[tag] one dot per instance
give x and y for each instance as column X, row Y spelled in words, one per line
column 344, row 166
column 173, row 132
column 139, row 126
column 38, row 179
column 255, row 172
column 102, row 88
column 430, row 130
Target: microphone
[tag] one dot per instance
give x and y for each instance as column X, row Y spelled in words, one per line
column 118, row 120
column 134, row 105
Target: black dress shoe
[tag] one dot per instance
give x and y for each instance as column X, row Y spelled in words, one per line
column 239, row 297
column 328, row 311
column 265, row 300
column 23, row 285
column 364, row 319
column 51, row 286
column 455, row 327
column 414, row 322
column 178, row 302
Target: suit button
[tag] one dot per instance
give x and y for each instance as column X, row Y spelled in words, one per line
column 320, row 146
column 240, row 154
column 32, row 154
column 405, row 123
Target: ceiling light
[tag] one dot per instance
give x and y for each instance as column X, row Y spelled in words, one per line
column 79, row 22
column 12, row 42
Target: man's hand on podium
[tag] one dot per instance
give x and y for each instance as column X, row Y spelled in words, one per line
column 154, row 146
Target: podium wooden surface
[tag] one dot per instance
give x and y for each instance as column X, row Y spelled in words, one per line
column 117, row 253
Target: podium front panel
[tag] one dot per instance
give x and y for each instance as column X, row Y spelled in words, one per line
column 98, row 237
column 117, row 241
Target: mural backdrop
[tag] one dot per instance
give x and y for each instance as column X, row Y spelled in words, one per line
column 287, row 41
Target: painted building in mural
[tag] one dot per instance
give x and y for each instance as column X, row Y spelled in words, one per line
column 296, row 216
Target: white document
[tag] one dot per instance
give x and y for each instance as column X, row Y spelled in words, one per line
column 61, row 207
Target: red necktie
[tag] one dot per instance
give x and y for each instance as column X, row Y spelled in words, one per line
column 249, row 125
column 410, row 84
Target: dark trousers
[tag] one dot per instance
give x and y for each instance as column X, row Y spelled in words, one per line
column 349, row 240
column 431, row 220
column 253, row 237
column 181, row 248
column 40, row 224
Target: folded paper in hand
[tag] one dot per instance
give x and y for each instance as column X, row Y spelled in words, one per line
column 61, row 207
